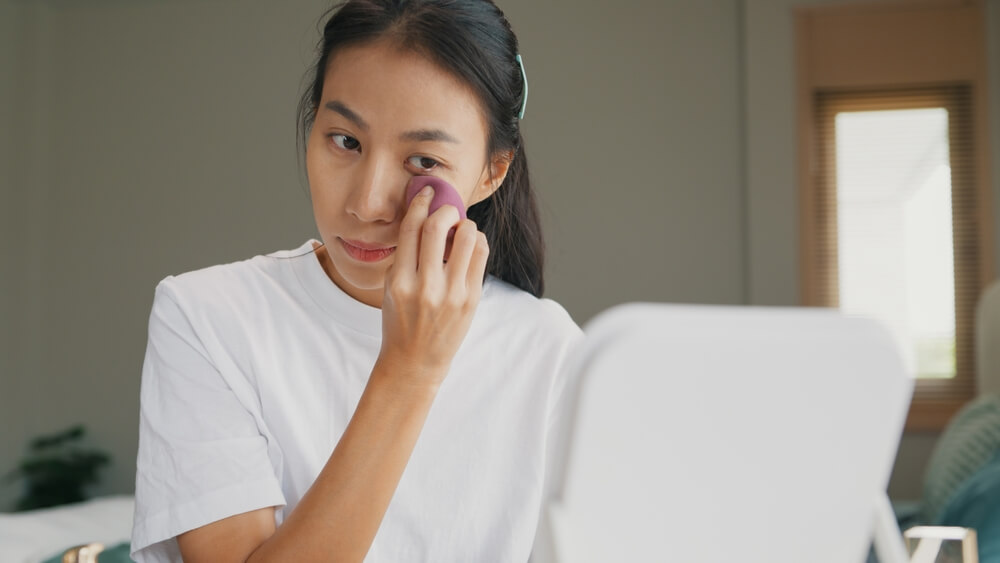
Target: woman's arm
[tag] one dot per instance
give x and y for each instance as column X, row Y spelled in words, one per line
column 337, row 518
column 426, row 313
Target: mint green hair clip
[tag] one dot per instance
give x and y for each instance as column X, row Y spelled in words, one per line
column 524, row 76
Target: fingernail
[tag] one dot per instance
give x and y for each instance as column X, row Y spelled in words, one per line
column 427, row 191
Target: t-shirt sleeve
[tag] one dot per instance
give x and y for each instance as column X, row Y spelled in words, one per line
column 203, row 455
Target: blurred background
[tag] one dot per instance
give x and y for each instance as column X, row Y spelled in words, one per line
column 142, row 139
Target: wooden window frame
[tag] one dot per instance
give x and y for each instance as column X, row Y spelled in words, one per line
column 824, row 65
column 934, row 399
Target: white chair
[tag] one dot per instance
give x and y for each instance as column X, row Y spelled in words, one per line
column 710, row 434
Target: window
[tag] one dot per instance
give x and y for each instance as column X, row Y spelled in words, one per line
column 895, row 208
column 894, row 180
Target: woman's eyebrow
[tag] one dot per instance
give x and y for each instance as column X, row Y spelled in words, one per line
column 416, row 135
column 339, row 107
column 428, row 135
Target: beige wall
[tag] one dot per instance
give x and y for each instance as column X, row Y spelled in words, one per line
column 151, row 138
column 8, row 59
column 22, row 45
column 633, row 132
column 167, row 138
column 8, row 228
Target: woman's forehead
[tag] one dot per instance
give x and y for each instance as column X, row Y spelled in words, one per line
column 386, row 86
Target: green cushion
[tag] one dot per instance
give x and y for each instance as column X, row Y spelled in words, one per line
column 970, row 441
column 976, row 505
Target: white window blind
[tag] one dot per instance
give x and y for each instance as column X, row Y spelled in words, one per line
column 896, row 219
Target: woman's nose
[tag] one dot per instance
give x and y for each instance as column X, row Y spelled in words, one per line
column 378, row 191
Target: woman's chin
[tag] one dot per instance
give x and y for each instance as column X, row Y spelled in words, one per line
column 364, row 277
column 351, row 275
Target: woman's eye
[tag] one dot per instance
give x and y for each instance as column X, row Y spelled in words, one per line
column 423, row 162
column 345, row 142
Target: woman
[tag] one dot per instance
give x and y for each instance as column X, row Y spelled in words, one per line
column 365, row 397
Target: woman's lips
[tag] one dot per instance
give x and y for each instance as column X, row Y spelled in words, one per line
column 366, row 252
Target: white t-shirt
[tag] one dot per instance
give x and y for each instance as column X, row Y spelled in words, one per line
column 253, row 370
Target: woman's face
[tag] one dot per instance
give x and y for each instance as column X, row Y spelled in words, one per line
column 385, row 116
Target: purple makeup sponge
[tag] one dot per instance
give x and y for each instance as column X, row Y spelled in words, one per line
column 444, row 193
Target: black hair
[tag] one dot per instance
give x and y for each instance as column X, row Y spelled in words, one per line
column 472, row 40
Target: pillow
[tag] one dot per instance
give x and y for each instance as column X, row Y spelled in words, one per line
column 969, row 442
column 976, row 505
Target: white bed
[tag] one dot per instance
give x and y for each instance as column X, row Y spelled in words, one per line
column 37, row 535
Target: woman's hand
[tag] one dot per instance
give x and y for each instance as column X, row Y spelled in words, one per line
column 429, row 303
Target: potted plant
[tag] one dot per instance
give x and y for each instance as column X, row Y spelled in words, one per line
column 57, row 469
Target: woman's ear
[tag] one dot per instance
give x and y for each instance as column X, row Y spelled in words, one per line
column 493, row 176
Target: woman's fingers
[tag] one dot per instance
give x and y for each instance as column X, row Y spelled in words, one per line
column 430, row 302
column 477, row 265
column 462, row 246
column 434, row 235
column 408, row 248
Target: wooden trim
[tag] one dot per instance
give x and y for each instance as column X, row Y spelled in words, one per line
column 984, row 166
column 930, row 415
